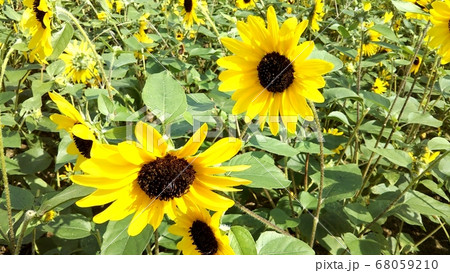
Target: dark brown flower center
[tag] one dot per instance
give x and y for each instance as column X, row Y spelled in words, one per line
column 188, row 5
column 84, row 146
column 247, row 1
column 203, row 237
column 166, row 178
column 448, row 25
column 39, row 13
column 275, row 72
column 416, row 61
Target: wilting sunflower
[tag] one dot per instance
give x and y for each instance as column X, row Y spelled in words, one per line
column 201, row 233
column 72, row 121
column 149, row 180
column 317, row 15
column 440, row 32
column 36, row 21
column 80, row 62
column 270, row 72
column 189, row 14
column 416, row 64
column 379, row 86
column 245, row 4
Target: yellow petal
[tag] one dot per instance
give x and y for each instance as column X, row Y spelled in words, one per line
column 65, row 107
column 194, row 143
column 150, row 139
column 219, row 152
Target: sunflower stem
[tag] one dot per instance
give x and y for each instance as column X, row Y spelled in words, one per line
column 29, row 215
column 259, row 218
column 3, row 163
column 92, row 47
column 156, row 235
column 355, row 130
column 322, row 173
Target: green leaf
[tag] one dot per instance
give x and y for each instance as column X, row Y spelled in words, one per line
column 357, row 213
column 71, row 226
column 124, row 59
column 116, row 240
column 340, row 182
column 241, row 241
column 105, row 105
column 423, row 118
column 11, row 13
column 11, row 139
column 386, row 32
column 164, row 96
column 282, row 219
column 61, row 40
column 273, row 243
column 21, row 199
column 425, row 204
column 263, row 173
column 70, row 194
column 438, row 143
column 376, row 99
column 34, row 160
column 339, row 93
column 408, row 7
column 398, row 157
column 272, row 145
column 336, row 115
column 360, row 246
column 311, row 148
column 6, row 96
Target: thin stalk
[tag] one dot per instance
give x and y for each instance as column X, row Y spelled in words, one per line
column 259, row 218
column 427, row 237
column 266, row 192
column 3, row 163
column 355, row 130
column 413, row 182
column 29, row 215
column 322, row 174
column 92, row 47
column 156, row 235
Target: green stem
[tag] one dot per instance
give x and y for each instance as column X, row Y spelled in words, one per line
column 355, row 130
column 156, row 235
column 427, row 237
column 3, row 163
column 29, row 215
column 322, row 173
column 92, row 47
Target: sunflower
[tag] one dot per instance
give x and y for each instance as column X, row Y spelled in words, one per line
column 270, row 72
column 141, row 36
column 416, row 64
column 379, row 86
column 201, row 233
column 317, row 15
column 333, row 131
column 80, row 62
column 367, row 5
column 189, row 14
column 148, row 179
column 423, row 5
column 440, row 32
column 388, row 17
column 245, row 4
column 72, row 121
column 36, row 21
column 369, row 48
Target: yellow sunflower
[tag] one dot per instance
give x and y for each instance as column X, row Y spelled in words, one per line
column 189, row 14
column 369, row 48
column 245, row 4
column 201, row 233
column 388, row 17
column 416, row 64
column 440, row 32
column 141, row 36
column 317, row 15
column 379, row 86
column 80, row 62
column 72, row 121
column 270, row 72
column 423, row 5
column 148, row 179
column 36, row 22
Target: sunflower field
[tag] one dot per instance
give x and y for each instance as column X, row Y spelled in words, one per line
column 221, row 127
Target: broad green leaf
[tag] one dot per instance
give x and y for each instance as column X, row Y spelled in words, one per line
column 361, row 246
column 263, row 173
column 164, row 96
column 11, row 139
column 311, row 148
column 307, row 200
column 425, row 204
column 282, row 219
column 70, row 226
column 376, row 99
column 423, row 118
column 340, row 182
column 6, row 96
column 11, row 13
column 272, row 145
column 105, row 105
column 408, row 7
column 116, row 240
column 398, row 157
column 241, row 241
column 61, row 40
column 386, row 32
column 124, row 59
column 336, row 115
column 21, row 199
column 70, row 194
column 34, row 160
column 121, row 132
column 340, row 93
column 273, row 243
column 438, row 143
column 357, row 213
column 435, row 188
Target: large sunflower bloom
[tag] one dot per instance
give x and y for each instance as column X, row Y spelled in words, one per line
column 189, row 7
column 36, row 21
column 201, row 233
column 72, row 121
column 80, row 62
column 245, row 4
column 149, row 180
column 270, row 72
column 317, row 15
column 440, row 32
